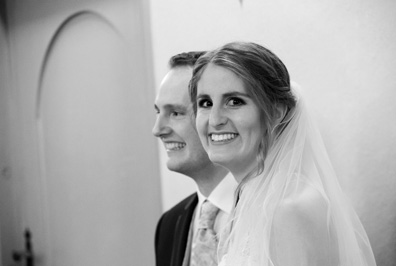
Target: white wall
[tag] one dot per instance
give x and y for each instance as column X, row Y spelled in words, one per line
column 341, row 53
column 3, row 53
column 6, row 184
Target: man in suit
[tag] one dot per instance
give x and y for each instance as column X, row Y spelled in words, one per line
column 175, row 126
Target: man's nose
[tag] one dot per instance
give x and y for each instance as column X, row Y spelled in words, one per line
column 160, row 127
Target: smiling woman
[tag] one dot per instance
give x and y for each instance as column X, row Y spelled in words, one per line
column 290, row 208
column 228, row 120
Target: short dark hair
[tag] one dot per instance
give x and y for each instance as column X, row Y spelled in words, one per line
column 185, row 59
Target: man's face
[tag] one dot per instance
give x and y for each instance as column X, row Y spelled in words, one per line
column 175, row 124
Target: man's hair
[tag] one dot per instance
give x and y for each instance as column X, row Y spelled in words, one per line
column 185, row 59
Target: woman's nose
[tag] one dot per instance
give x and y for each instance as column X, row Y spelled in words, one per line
column 217, row 117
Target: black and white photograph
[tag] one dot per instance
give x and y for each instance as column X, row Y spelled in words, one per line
column 197, row 133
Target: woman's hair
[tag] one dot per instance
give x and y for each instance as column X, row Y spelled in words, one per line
column 265, row 78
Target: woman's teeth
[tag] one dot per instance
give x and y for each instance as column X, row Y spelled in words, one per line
column 222, row 137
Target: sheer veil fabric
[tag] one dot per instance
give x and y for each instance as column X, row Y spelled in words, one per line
column 294, row 212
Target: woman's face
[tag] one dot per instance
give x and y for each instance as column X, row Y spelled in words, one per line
column 228, row 120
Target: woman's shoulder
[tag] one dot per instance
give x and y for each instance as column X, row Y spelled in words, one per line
column 301, row 229
column 305, row 209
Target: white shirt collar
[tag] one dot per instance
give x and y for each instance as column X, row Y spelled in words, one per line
column 223, row 194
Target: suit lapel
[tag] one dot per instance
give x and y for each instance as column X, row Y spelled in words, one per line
column 182, row 230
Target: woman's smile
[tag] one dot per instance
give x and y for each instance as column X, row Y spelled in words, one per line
column 222, row 138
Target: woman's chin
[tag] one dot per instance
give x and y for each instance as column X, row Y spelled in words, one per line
column 221, row 159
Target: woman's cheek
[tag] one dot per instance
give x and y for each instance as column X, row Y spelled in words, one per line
column 201, row 126
column 199, row 123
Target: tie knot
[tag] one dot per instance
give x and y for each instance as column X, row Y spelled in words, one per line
column 208, row 215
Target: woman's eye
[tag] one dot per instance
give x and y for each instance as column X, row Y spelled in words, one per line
column 235, row 102
column 204, row 103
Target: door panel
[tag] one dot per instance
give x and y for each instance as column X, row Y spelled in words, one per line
column 86, row 119
column 84, row 158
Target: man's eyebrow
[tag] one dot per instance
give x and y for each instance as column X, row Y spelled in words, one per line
column 172, row 106
column 175, row 106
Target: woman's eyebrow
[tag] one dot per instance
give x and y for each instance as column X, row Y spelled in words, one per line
column 236, row 93
column 203, row 96
column 225, row 95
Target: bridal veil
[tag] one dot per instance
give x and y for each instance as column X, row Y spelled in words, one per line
column 294, row 212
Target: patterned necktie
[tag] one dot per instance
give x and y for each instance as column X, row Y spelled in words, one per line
column 204, row 247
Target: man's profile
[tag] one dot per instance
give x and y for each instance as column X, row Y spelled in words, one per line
column 175, row 126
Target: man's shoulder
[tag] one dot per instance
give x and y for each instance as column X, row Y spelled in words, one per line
column 184, row 205
column 172, row 231
column 184, row 208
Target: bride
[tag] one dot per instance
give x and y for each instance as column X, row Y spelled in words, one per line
column 290, row 209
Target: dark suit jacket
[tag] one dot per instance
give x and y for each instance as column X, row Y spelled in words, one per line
column 172, row 232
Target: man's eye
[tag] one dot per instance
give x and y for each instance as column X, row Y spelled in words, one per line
column 204, row 103
column 175, row 113
column 235, row 102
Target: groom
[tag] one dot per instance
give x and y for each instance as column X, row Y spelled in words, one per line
column 175, row 126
